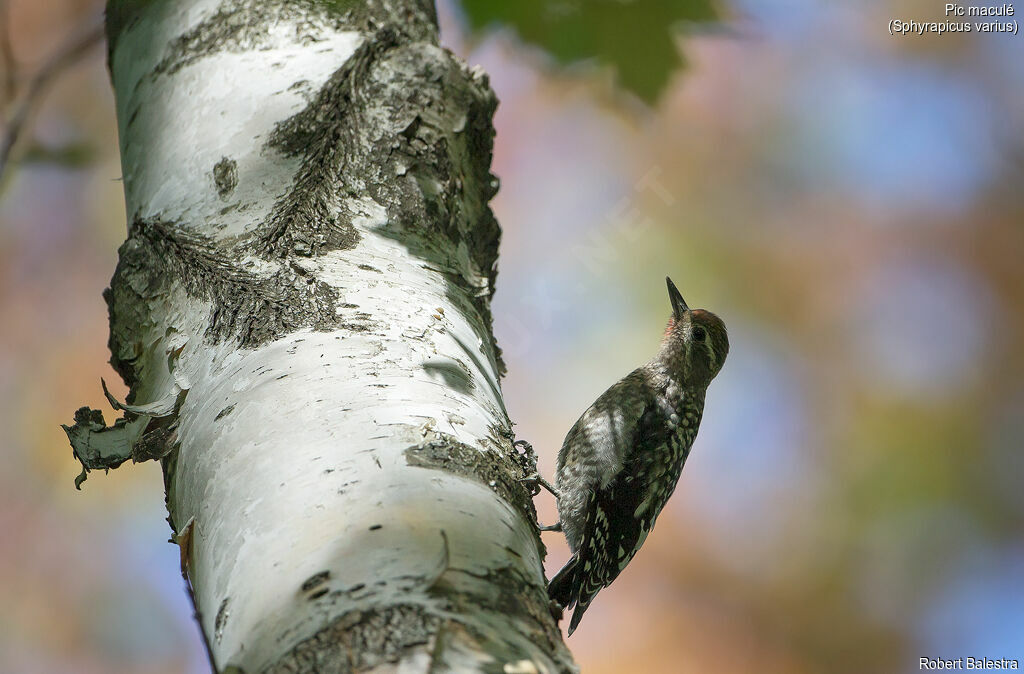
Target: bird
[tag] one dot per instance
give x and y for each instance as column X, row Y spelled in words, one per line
column 621, row 460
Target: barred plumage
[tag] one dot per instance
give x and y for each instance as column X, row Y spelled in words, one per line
column 621, row 460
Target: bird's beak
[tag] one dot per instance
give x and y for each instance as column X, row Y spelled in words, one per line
column 678, row 303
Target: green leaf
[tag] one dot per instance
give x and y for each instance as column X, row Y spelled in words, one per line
column 635, row 37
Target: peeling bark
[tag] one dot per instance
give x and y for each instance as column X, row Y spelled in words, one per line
column 302, row 313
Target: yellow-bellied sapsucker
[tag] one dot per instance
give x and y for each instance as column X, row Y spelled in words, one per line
column 620, row 462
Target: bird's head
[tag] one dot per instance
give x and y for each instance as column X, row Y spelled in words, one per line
column 696, row 342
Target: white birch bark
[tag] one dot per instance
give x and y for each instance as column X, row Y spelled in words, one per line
column 301, row 311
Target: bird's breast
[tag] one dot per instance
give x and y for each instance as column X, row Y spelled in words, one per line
column 682, row 423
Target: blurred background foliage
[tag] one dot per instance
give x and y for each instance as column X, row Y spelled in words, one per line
column 635, row 40
column 849, row 202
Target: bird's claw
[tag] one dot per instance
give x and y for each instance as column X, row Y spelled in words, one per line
column 535, row 482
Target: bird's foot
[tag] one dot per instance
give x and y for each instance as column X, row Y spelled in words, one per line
column 557, row 526
column 525, row 455
column 535, row 482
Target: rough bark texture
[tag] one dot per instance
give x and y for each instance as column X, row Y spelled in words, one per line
column 302, row 312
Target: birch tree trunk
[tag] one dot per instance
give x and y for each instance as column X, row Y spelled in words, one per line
column 302, row 313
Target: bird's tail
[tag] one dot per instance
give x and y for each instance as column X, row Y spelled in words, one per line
column 581, row 606
column 564, row 586
column 566, row 589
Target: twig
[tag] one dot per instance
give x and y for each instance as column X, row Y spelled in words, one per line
column 10, row 65
column 65, row 57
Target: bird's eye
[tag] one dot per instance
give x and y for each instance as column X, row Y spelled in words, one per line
column 699, row 334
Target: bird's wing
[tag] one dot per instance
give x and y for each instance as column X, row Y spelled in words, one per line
column 609, row 425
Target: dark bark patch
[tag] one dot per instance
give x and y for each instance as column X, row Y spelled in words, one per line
column 316, row 580
column 221, row 621
column 510, row 592
column 358, row 327
column 251, row 308
column 361, row 640
column 324, row 134
column 431, row 169
column 226, row 411
column 491, row 469
column 225, row 176
column 157, row 442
